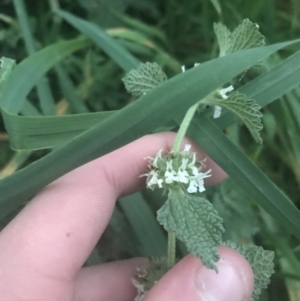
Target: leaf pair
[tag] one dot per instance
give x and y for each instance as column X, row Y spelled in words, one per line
column 245, row 36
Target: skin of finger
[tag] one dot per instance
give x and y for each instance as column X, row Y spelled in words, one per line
column 111, row 281
column 180, row 282
column 56, row 232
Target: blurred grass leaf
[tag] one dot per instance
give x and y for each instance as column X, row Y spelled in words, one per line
column 180, row 92
column 111, row 47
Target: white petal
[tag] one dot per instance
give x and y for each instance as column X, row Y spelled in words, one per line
column 153, row 180
column 201, row 187
column 183, row 176
column 196, row 64
column 217, row 112
column 226, row 90
column 187, row 148
column 183, row 68
column 170, row 177
column 192, row 187
column 183, row 164
column 206, row 174
column 159, row 183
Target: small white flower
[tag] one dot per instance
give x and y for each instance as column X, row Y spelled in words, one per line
column 217, row 111
column 187, row 148
column 154, row 179
column 196, row 64
column 192, row 186
column 200, row 181
column 170, row 174
column 183, row 68
column 182, row 174
column 223, row 92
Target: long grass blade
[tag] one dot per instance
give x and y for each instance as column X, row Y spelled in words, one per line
column 150, row 234
column 110, row 46
column 44, row 92
column 128, row 124
column 245, row 173
column 29, row 72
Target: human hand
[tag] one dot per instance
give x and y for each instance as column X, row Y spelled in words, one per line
column 43, row 249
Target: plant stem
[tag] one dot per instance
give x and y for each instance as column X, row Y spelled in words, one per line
column 180, row 135
column 184, row 126
column 171, row 249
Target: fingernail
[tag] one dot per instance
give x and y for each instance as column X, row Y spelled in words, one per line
column 229, row 284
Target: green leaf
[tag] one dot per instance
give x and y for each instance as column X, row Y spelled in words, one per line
column 109, row 45
column 261, row 262
column 143, row 79
column 246, row 109
column 26, row 75
column 38, row 132
column 150, row 234
column 6, row 67
column 195, row 222
column 45, row 96
column 245, row 36
column 234, row 205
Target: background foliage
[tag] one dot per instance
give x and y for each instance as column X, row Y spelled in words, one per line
column 171, row 33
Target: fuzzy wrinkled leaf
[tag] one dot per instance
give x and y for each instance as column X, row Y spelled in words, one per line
column 195, row 222
column 245, row 36
column 261, row 262
column 143, row 79
column 246, row 109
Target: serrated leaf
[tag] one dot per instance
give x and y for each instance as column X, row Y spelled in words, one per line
column 224, row 38
column 143, row 79
column 246, row 109
column 261, row 262
column 195, row 222
column 245, row 36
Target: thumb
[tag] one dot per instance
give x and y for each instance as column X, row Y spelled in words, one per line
column 190, row 280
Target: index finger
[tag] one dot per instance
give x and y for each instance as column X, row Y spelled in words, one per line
column 59, row 228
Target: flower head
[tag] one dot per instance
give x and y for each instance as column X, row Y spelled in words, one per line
column 180, row 169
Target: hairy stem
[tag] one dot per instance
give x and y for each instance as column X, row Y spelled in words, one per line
column 171, row 249
column 184, row 126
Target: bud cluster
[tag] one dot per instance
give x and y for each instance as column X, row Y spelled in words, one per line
column 176, row 170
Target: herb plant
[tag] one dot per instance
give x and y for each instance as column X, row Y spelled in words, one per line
column 80, row 111
column 186, row 214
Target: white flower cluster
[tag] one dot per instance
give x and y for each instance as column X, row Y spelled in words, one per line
column 222, row 92
column 180, row 169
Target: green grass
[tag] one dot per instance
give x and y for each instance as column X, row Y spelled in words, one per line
column 88, row 81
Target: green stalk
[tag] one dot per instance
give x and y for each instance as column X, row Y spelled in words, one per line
column 171, row 249
column 184, row 126
column 179, row 137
